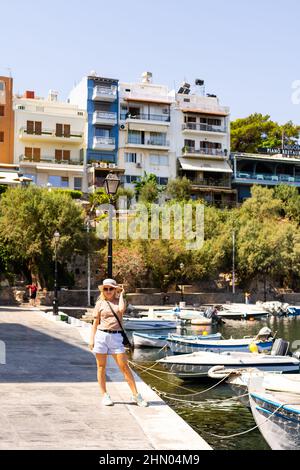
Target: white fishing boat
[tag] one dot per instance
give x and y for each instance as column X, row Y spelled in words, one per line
column 132, row 324
column 184, row 345
column 144, row 340
column 242, row 311
column 198, row 365
column 275, row 405
column 196, row 317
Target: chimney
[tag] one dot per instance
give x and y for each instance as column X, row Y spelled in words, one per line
column 147, row 77
column 29, row 95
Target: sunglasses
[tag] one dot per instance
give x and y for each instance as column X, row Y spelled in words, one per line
column 108, row 289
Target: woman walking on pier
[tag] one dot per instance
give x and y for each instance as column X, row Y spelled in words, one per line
column 107, row 340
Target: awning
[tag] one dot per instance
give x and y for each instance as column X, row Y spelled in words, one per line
column 192, row 164
column 7, row 177
column 145, row 99
column 147, row 127
column 210, row 112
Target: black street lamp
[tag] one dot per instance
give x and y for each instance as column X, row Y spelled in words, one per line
column 112, row 183
column 55, row 300
column 182, row 266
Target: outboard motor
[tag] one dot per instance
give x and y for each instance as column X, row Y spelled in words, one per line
column 280, row 348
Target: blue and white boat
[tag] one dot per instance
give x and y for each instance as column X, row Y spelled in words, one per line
column 182, row 345
column 275, row 405
column 293, row 311
column 132, row 324
column 144, row 340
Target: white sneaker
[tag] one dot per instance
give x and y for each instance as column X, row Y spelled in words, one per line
column 107, row 401
column 138, row 399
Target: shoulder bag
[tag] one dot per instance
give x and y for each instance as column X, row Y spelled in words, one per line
column 126, row 340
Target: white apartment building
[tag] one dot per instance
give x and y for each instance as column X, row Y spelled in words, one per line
column 49, row 141
column 145, row 137
column 200, row 131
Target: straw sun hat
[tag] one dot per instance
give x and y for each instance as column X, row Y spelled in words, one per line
column 110, row 283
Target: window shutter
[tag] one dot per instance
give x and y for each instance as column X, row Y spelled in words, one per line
column 30, row 127
column 59, row 130
column 28, row 152
column 38, row 128
column 67, row 155
column 36, row 155
column 58, row 155
column 67, row 130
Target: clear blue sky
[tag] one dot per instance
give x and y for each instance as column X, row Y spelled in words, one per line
column 247, row 51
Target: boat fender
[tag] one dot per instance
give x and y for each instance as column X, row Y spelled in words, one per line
column 220, row 372
column 253, row 348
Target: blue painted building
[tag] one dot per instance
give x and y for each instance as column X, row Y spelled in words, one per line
column 264, row 170
column 100, row 97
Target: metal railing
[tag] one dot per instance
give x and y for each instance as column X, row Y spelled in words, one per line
column 104, row 140
column 267, row 177
column 209, row 182
column 203, row 127
column 49, row 159
column 105, row 91
column 205, row 151
column 154, row 142
column 107, row 116
column 51, row 133
column 146, row 117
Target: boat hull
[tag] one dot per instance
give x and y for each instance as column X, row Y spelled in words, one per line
column 184, row 347
column 142, row 325
column 280, row 427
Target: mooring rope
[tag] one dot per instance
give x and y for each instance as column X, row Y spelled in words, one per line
column 249, row 430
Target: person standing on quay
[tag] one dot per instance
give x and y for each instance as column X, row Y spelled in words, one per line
column 107, row 340
column 33, row 290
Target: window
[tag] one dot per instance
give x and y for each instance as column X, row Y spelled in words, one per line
column 77, row 184
column 33, row 154
column 63, row 130
column 130, row 158
column 34, row 127
column 159, row 160
column 2, row 86
column 163, row 181
column 135, row 137
column 132, row 179
column 158, row 138
column 62, row 155
column 1, row 110
column 1, row 136
column 59, row 181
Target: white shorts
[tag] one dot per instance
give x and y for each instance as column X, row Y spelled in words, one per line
column 107, row 343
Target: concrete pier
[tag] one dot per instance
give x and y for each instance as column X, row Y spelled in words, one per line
column 50, row 397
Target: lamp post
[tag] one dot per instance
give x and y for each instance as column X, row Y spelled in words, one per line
column 182, row 266
column 55, row 300
column 112, row 183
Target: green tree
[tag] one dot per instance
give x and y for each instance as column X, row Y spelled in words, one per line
column 179, row 189
column 147, row 179
column 258, row 131
column 28, row 220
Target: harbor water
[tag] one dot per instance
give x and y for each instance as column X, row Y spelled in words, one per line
column 214, row 413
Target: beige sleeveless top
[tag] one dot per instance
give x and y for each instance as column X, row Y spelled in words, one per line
column 103, row 313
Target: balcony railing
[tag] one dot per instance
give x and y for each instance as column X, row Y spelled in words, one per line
column 146, row 117
column 203, row 127
column 153, row 142
column 205, row 151
column 49, row 159
column 51, row 133
column 104, row 141
column 106, row 117
column 210, row 182
column 267, row 178
column 105, row 93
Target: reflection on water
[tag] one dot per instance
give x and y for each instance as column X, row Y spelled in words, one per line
column 208, row 412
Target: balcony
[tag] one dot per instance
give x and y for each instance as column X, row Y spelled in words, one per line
column 267, row 179
column 149, row 143
column 104, row 143
column 194, row 127
column 210, row 183
column 49, row 135
column 47, row 160
column 105, row 118
column 109, row 94
column 192, row 151
column 159, row 118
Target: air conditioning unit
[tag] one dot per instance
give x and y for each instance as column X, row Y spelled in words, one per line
column 103, row 165
column 112, row 165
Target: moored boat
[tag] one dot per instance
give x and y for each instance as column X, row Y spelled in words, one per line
column 132, row 324
column 275, row 405
column 145, row 340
